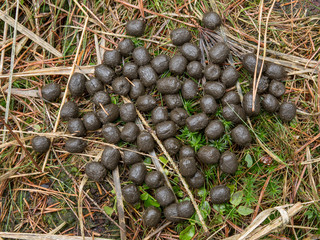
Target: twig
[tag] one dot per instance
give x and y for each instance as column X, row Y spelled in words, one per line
column 17, row 26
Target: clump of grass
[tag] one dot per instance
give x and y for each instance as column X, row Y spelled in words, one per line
column 194, row 139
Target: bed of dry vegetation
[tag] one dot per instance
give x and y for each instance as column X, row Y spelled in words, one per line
column 277, row 184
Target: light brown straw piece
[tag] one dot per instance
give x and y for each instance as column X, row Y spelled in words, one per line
column 34, row 236
column 9, row 20
column 253, row 231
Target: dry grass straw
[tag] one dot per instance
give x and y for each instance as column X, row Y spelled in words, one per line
column 80, row 201
column 58, row 228
column 22, row 29
column 253, row 231
column 5, row 31
column 51, row 71
column 120, row 207
column 255, row 80
column 311, row 176
column 8, row 100
column 34, row 236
